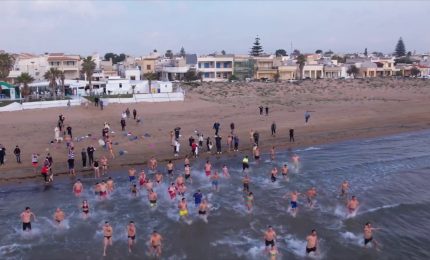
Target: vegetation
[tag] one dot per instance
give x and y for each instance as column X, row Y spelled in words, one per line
column 6, row 65
column 301, row 61
column 88, row 67
column 233, row 78
column 192, row 75
column 223, row 52
column 115, row 57
column 182, row 52
column 280, row 53
column 400, row 50
column 339, row 59
column 256, row 49
column 318, row 52
column 52, row 75
column 415, row 72
column 353, row 70
column 150, row 77
column 25, row 79
column 365, row 52
column 405, row 60
column 169, row 54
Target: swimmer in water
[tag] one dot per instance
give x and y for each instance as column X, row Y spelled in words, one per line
column 272, row 153
column 142, row 178
column 104, row 162
column 110, row 185
column 273, row 253
column 186, row 161
column 180, row 181
column 97, row 189
column 188, row 174
column 85, row 208
column 312, row 242
column 368, row 235
column 96, row 168
column 78, row 188
column 133, row 190
column 131, row 234
column 169, row 167
column 203, row 210
column 103, row 190
column 152, row 164
column 155, row 242
column 249, row 201
column 198, row 198
column 293, row 201
column 172, row 191
column 344, row 187
column 158, row 178
column 181, row 190
column 215, row 180
column 149, row 184
column 284, row 171
column 225, row 171
column 246, row 182
column 107, row 233
column 59, row 216
column 208, row 168
column 26, row 219
column 152, row 197
column 352, row 205
column 274, row 174
column 183, row 209
column 296, row 160
column 245, row 163
column 269, row 238
column 310, row 195
column 256, row 152
column 131, row 175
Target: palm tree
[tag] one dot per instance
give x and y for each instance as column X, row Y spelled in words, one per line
column 62, row 79
column 88, row 67
column 52, row 75
column 301, row 60
column 150, row 77
column 25, row 79
column 6, row 65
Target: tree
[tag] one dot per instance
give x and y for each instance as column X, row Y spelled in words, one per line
column 301, row 61
column 154, row 51
column 52, row 75
column 25, row 79
column 115, row 58
column 182, row 52
column 233, row 78
column 365, row 52
column 329, row 53
column 415, row 72
column 150, row 77
column 296, row 52
column 169, row 54
column 318, row 52
column 88, row 67
column 400, row 50
column 256, row 49
column 353, row 70
column 276, row 77
column 339, row 58
column 6, row 65
column 190, row 75
column 223, row 52
column 280, row 52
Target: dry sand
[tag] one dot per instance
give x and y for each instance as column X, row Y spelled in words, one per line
column 343, row 109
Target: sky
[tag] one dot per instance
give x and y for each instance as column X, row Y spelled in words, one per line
column 202, row 27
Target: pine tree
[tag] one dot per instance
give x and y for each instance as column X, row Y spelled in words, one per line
column 400, row 50
column 365, row 52
column 182, row 52
column 256, row 49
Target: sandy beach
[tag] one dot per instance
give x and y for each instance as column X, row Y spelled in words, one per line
column 340, row 110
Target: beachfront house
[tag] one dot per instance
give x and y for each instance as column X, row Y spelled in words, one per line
column 266, row 67
column 243, row 68
column 216, row 67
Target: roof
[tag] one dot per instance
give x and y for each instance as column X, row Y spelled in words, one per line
column 4, row 85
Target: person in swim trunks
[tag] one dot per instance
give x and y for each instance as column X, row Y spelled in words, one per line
column 133, row 190
column 249, row 201
column 256, row 152
column 59, row 216
column 78, row 188
column 284, row 171
column 274, row 174
column 208, row 168
column 142, row 178
column 107, row 233
column 169, row 167
column 85, row 208
column 131, row 232
column 188, row 174
column 368, row 235
column 203, row 207
column 155, row 242
column 215, row 179
column 172, row 191
column 312, row 242
column 152, row 197
column 183, row 209
column 310, row 195
column 293, row 200
column 26, row 219
column 245, row 163
column 269, row 237
column 246, row 182
column 131, row 175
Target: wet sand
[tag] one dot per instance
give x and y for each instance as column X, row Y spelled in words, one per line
column 341, row 110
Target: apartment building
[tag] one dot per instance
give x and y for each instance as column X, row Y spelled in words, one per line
column 266, row 68
column 70, row 65
column 244, row 67
column 215, row 67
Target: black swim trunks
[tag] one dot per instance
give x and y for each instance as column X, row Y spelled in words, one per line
column 132, row 237
column 169, row 171
column 313, row 249
column 108, row 237
column 273, row 178
column 367, row 240
column 202, row 212
column 245, row 166
column 26, row 226
column 270, row 243
column 187, row 176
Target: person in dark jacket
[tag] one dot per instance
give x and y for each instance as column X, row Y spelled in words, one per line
column 17, row 153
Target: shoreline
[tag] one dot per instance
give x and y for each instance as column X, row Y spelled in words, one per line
column 115, row 169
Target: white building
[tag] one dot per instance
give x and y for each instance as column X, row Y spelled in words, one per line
column 216, row 68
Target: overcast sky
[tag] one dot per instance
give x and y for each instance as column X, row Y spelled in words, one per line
column 137, row 27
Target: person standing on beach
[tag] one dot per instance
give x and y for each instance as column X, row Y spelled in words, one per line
column 291, row 135
column 232, row 128
column 134, row 113
column 2, row 154
column 35, row 161
column 101, row 104
column 96, row 168
column 17, row 153
column 261, row 110
column 208, row 141
column 84, row 158
column 269, row 237
column 267, row 110
column 177, row 132
column 307, row 116
column 218, row 144
column 236, row 143
column 123, row 124
column 216, row 126
column 273, row 129
column 256, row 137
column 71, row 160
column 69, row 131
column 26, row 219
column 155, row 242
column 312, row 242
column 131, row 234
column 107, row 233
column 201, row 139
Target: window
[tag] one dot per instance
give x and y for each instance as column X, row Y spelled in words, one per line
column 206, row 75
column 206, row 65
column 148, row 67
column 218, row 65
column 132, row 77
